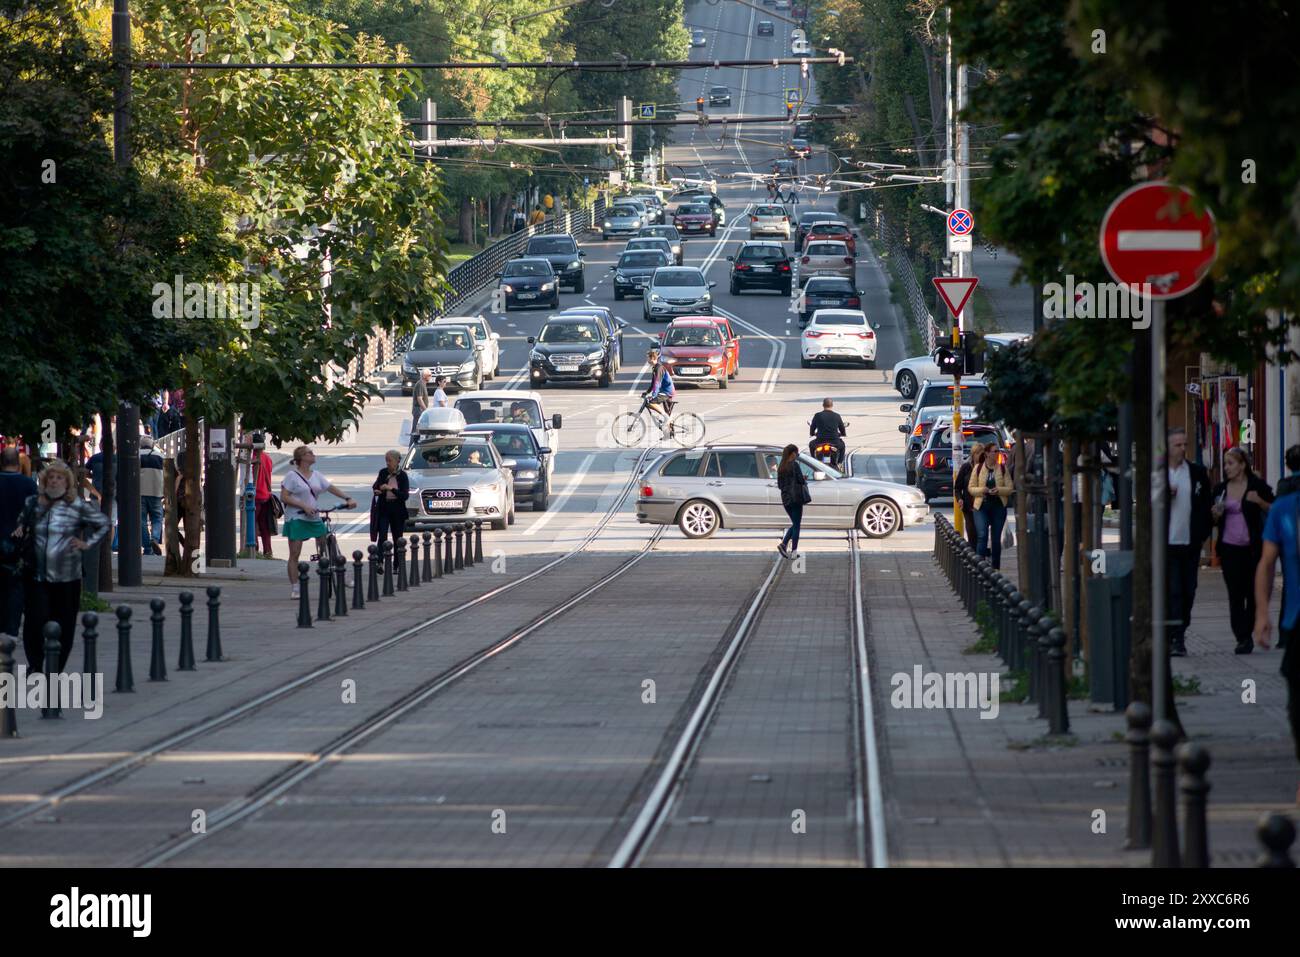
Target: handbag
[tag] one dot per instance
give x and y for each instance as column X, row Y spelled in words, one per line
column 805, row 495
column 277, row 506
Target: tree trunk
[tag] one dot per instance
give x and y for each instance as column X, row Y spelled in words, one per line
column 1022, row 515
column 1070, row 555
column 466, row 221
column 191, row 502
column 500, row 209
column 171, row 521
column 1053, row 525
column 109, row 493
column 1086, row 543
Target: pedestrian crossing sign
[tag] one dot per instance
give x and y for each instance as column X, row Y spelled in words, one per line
column 647, row 111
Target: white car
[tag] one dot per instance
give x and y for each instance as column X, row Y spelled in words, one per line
column 910, row 373
column 509, row 405
column 486, row 342
column 455, row 477
column 838, row 335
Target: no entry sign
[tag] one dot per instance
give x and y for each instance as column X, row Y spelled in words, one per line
column 1152, row 234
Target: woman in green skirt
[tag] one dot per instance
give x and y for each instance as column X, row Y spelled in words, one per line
column 302, row 521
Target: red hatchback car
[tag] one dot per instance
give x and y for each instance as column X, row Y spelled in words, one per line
column 696, row 350
column 695, row 218
column 833, row 231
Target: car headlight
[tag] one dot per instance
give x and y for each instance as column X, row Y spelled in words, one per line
column 494, row 487
column 715, row 357
column 677, row 250
column 547, row 286
column 595, row 356
column 529, row 474
column 467, row 366
column 536, row 356
column 636, row 224
column 576, row 264
column 507, row 287
column 619, row 277
column 607, row 224
column 655, row 297
column 707, row 295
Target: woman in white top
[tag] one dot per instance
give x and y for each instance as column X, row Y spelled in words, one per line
column 298, row 492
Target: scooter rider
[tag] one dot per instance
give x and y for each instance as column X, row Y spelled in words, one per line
column 827, row 426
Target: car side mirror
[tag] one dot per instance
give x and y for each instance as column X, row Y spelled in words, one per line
column 731, row 259
column 905, row 407
column 612, row 268
column 712, row 284
column 819, row 476
column 509, row 463
column 496, row 335
column 903, row 429
column 875, row 325
column 544, row 451
column 622, row 323
column 531, row 340
column 556, row 420
column 581, row 254
column 496, row 275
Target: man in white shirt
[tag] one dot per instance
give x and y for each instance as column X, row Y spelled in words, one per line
column 439, row 399
column 1190, row 523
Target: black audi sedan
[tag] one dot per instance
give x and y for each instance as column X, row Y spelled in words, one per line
column 572, row 349
column 633, row 270
column 527, row 462
column 529, row 282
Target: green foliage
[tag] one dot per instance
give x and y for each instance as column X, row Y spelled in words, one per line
column 1183, row 687
column 90, row 601
column 987, row 625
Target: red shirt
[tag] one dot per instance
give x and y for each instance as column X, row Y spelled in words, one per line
column 263, row 493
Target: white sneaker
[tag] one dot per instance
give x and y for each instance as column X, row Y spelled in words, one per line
column 293, row 592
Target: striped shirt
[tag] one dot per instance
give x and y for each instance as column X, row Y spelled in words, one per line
column 56, row 527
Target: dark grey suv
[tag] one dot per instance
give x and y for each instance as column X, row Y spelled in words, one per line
column 562, row 252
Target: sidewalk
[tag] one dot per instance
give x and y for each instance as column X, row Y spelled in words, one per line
column 965, row 791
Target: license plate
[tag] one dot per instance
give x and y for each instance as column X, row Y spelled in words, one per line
column 446, row 504
column 844, row 352
column 565, row 363
column 528, row 295
column 762, row 269
column 689, row 371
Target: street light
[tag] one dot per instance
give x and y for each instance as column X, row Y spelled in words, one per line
column 934, row 209
column 906, row 178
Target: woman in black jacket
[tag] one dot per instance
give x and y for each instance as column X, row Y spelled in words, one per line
column 388, row 508
column 794, row 496
column 1241, row 504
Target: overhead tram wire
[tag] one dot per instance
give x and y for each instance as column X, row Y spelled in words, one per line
column 607, row 65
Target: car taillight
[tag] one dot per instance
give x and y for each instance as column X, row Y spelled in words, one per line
column 785, row 219
column 866, row 335
column 931, row 460
column 920, row 429
column 849, row 260
column 784, row 267
column 753, row 219
column 805, row 260
column 741, row 267
column 813, row 335
column 647, row 491
column 853, row 301
column 1002, row 458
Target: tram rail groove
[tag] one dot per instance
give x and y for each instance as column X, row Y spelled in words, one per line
column 222, row 719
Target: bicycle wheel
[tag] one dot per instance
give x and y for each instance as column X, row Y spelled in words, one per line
column 628, row 429
column 334, row 552
column 688, row 429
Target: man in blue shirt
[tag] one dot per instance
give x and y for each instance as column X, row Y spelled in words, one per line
column 1280, row 531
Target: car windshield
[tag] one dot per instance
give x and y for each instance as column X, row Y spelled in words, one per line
column 693, row 336
column 719, row 89
column 839, row 319
column 477, row 329
column 829, row 287
column 799, row 144
column 487, row 411
column 662, row 232
column 942, row 395
column 693, row 211
column 969, row 437
column 770, row 211
column 650, row 258
column 542, row 245
column 625, row 211
column 660, row 245
column 455, row 337
column 763, row 253
column 569, row 332
column 528, row 269
column 514, row 444
column 812, row 216
column 449, row 456
column 834, row 229
column 679, row 277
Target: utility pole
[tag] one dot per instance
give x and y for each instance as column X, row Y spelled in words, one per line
column 947, row 129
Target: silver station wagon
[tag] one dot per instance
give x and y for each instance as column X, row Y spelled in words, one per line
column 734, row 486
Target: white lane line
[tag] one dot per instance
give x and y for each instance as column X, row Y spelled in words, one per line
column 875, row 790
column 563, row 496
column 777, row 359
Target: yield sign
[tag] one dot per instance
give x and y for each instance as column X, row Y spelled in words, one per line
column 1152, row 234
column 954, row 291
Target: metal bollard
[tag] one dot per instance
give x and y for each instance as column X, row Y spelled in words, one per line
column 1164, row 849
column 399, row 563
column 428, row 563
column 1010, row 612
column 1277, row 834
column 157, row 656
column 304, row 595
column 469, row 544
column 125, row 679
column 1045, row 626
column 448, row 565
column 214, row 624
column 437, row 552
column 9, row 712
column 372, row 590
column 186, row 661
column 1193, row 762
column 386, row 551
column 323, row 601
column 1058, row 712
column 358, row 595
column 90, row 643
column 1032, row 638
column 460, row 545
column 478, row 541
column 1023, row 622
column 1138, row 716
column 52, row 633
column 340, row 587
column 413, row 579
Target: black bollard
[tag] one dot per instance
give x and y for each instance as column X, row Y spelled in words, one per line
column 358, row 595
column 1057, row 692
column 459, row 532
column 186, row 660
column 9, row 713
column 125, row 679
column 304, row 595
column 1032, row 645
column 372, row 590
column 1277, row 834
column 323, row 603
column 428, row 565
column 438, row 563
column 214, row 624
column 157, row 657
column 1193, row 762
column 478, row 541
column 399, row 562
column 52, row 632
column 1164, row 838
column 340, row 587
column 90, row 643
column 469, row 544
column 413, row 577
column 386, row 550
column 1138, row 737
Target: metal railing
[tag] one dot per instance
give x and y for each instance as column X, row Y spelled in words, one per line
column 470, row 277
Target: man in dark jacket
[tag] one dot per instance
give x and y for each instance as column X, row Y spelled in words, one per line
column 1290, row 482
column 1190, row 523
column 828, row 426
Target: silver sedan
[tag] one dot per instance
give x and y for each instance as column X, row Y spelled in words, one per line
column 703, row 489
column 458, row 477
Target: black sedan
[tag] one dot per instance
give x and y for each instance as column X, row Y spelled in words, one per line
column 519, row 452
column 719, row 96
column 827, row 292
column 765, row 28
column 633, row 270
column 934, row 466
column 529, row 282
column 572, row 349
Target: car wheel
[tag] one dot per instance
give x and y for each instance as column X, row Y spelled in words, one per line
column 879, row 518
column 906, row 384
column 541, row 500
column 604, row 237
column 606, row 380
column 698, row 519
column 498, row 524
column 722, row 383
column 805, row 364
column 911, row 477
column 407, row 390
column 618, row 296
column 868, row 363
column 581, row 284
column 786, row 289
column 735, row 290
column 510, row 516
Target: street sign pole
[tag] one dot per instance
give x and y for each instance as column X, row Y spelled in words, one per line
column 1159, row 505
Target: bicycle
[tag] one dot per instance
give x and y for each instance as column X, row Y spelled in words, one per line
column 331, row 543
column 684, row 428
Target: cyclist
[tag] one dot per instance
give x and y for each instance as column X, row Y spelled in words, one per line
column 661, row 392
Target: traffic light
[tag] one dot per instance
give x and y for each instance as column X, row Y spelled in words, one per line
column 972, row 347
column 699, row 104
column 950, row 360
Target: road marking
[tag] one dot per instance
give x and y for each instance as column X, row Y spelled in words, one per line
column 777, row 359
column 563, row 497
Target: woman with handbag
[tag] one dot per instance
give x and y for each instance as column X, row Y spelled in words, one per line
column 962, row 487
column 56, row 527
column 794, row 496
column 990, row 490
column 392, row 488
column 1241, row 504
